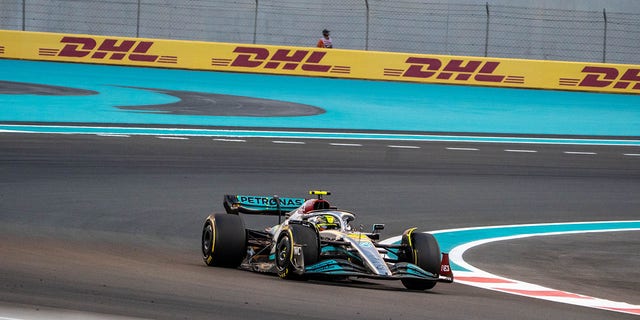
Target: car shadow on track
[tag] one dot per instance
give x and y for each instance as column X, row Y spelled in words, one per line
column 356, row 283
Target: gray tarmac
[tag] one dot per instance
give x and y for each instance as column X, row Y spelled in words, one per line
column 213, row 104
column 111, row 225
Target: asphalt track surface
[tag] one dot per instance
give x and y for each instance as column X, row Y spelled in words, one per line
column 111, row 225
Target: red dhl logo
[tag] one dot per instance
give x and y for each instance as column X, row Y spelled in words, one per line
column 111, row 49
column 605, row 77
column 284, row 59
column 455, row 69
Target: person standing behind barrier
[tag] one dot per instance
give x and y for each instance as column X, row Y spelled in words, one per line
column 325, row 41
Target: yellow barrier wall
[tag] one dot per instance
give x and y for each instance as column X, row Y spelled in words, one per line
column 316, row 62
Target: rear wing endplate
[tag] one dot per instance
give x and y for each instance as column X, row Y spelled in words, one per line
column 264, row 205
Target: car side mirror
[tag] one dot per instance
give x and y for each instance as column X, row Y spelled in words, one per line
column 377, row 227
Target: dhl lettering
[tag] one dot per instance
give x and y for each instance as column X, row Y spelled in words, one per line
column 250, row 57
column 79, row 47
column 461, row 69
column 416, row 69
column 245, row 58
column 601, row 77
column 71, row 49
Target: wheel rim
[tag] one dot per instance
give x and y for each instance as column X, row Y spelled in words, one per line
column 207, row 240
column 283, row 251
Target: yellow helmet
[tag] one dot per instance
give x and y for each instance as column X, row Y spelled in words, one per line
column 326, row 222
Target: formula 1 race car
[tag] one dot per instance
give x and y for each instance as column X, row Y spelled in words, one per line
column 318, row 240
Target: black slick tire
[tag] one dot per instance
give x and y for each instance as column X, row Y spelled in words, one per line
column 296, row 234
column 425, row 253
column 223, row 240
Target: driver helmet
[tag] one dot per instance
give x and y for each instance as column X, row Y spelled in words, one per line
column 326, row 222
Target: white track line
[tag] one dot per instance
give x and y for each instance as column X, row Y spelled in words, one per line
column 479, row 278
column 580, row 152
column 288, row 142
column 172, row 138
column 345, row 144
column 632, row 154
column 482, row 279
column 111, row 135
column 230, row 140
column 520, row 151
column 403, row 147
column 59, row 129
column 462, row 149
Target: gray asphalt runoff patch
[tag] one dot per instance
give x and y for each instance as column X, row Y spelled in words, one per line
column 211, row 104
column 10, row 87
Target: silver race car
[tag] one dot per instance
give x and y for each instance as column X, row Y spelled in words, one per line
column 315, row 239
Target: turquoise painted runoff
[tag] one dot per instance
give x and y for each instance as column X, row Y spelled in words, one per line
column 349, row 104
column 449, row 239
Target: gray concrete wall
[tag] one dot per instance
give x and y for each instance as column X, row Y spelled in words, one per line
column 538, row 29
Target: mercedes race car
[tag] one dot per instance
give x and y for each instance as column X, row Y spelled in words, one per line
column 316, row 239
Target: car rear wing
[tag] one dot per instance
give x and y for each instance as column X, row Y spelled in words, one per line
column 264, row 205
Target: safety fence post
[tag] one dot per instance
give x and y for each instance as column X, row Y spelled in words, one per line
column 138, row 21
column 366, row 38
column 255, row 23
column 24, row 13
column 486, row 36
column 604, row 44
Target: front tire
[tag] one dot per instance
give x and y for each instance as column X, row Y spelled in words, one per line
column 301, row 235
column 424, row 252
column 223, row 241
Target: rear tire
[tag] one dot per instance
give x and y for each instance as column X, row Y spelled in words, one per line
column 224, row 241
column 296, row 234
column 425, row 253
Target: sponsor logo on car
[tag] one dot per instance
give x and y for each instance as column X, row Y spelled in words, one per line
column 269, row 201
